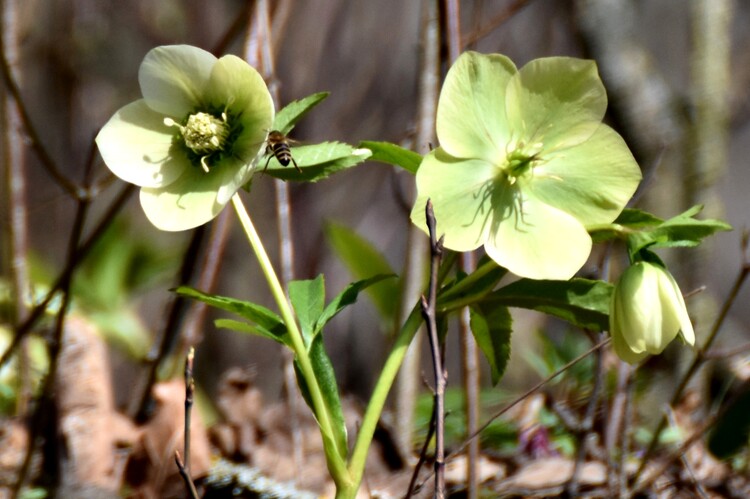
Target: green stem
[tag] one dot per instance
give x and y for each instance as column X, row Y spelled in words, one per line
column 393, row 364
column 379, row 395
column 336, row 464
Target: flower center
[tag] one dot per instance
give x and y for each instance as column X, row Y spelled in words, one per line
column 204, row 134
column 520, row 161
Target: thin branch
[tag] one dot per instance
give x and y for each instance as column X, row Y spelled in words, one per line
column 441, row 376
column 470, row 368
column 260, row 38
column 185, row 474
column 528, row 393
column 494, row 23
column 698, row 434
column 45, row 404
column 177, row 309
column 587, row 426
column 209, row 271
column 407, row 382
column 699, row 358
column 422, row 458
column 235, row 29
column 35, row 141
column 616, row 425
column 523, row 397
column 184, row 466
column 39, row 309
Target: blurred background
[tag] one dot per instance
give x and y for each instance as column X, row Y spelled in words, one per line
column 678, row 79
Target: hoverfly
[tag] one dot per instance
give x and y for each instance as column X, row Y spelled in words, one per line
column 278, row 147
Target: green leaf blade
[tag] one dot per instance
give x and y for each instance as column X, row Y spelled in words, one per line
column 244, row 327
column 318, row 161
column 363, row 260
column 492, row 328
column 581, row 302
column 392, row 154
column 326, row 377
column 255, row 313
column 345, row 298
column 308, row 298
column 287, row 117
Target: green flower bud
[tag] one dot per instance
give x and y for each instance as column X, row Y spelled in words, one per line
column 646, row 313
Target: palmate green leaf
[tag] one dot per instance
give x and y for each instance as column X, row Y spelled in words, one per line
column 492, row 328
column 363, row 260
column 317, row 161
column 326, row 377
column 581, row 302
column 680, row 231
column 345, row 298
column 257, row 314
column 294, row 111
column 308, row 298
column 392, row 154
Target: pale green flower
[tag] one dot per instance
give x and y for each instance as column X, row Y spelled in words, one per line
column 195, row 137
column 524, row 163
column 646, row 312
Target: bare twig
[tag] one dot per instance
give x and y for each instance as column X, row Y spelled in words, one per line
column 422, row 459
column 171, row 331
column 523, row 397
column 235, row 29
column 407, row 382
column 587, row 426
column 470, row 368
column 441, row 376
column 528, row 393
column 14, row 198
column 691, row 474
column 209, row 270
column 260, row 46
column 185, row 474
column 45, row 404
column 184, row 466
column 616, row 425
column 36, row 313
column 495, row 22
column 698, row 434
column 699, row 358
column 44, row 156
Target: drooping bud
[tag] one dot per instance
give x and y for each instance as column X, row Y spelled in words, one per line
column 647, row 312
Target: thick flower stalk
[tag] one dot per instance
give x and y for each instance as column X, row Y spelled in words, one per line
column 524, row 163
column 193, row 139
column 647, row 312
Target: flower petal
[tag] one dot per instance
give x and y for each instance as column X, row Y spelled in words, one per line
column 471, row 120
column 592, row 181
column 539, row 241
column 674, row 307
column 239, row 87
column 172, row 78
column 235, row 173
column 187, row 203
column 137, row 146
column 455, row 187
column 556, row 101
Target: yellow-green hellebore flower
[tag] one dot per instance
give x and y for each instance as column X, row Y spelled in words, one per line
column 193, row 139
column 524, row 163
column 646, row 312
